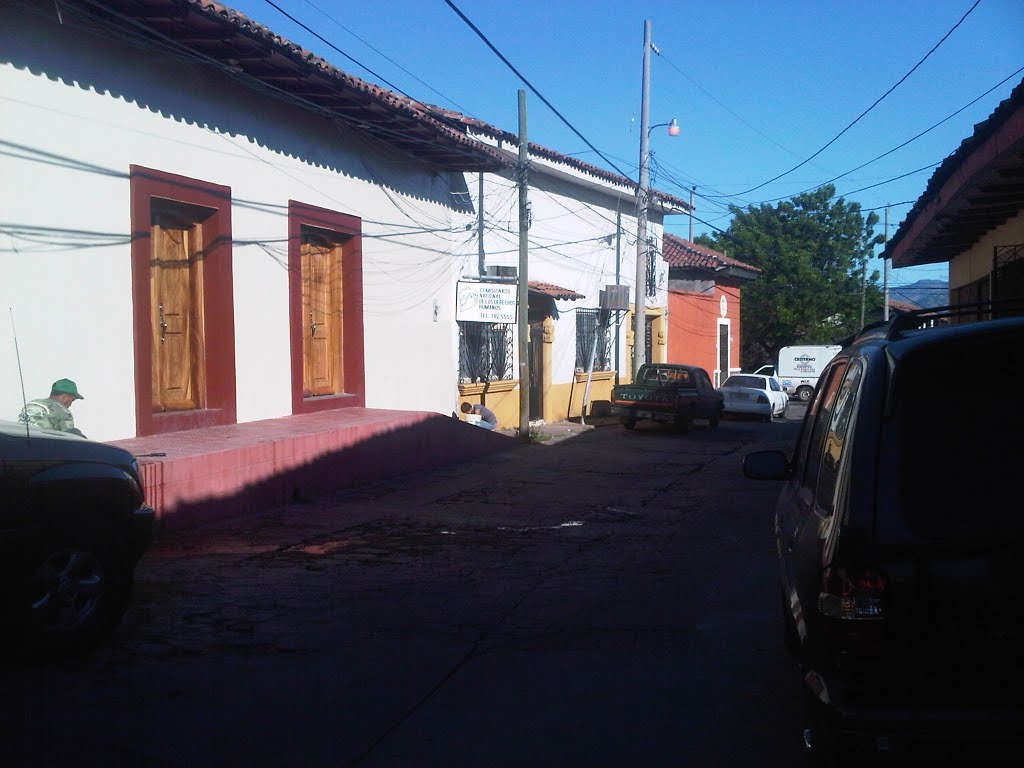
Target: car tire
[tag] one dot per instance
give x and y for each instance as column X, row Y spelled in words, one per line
column 629, row 422
column 803, row 394
column 785, row 410
column 75, row 590
column 716, row 418
column 683, row 422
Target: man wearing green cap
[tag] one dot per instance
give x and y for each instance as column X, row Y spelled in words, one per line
column 54, row 412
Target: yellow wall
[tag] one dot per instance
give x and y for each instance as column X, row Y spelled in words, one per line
column 502, row 397
column 563, row 400
column 976, row 263
column 566, row 400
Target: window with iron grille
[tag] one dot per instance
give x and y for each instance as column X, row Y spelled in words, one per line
column 1008, row 272
column 588, row 328
column 485, row 352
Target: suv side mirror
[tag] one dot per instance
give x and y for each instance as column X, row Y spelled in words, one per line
column 766, row 465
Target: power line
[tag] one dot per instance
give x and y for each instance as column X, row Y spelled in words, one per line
column 388, row 58
column 908, row 141
column 862, row 114
column 537, row 93
column 325, row 41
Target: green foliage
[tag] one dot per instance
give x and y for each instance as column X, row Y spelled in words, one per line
column 812, row 251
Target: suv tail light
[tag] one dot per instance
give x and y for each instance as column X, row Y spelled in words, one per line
column 847, row 594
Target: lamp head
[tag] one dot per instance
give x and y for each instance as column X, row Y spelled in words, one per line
column 673, row 127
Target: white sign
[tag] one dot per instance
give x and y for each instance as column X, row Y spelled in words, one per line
column 485, row 302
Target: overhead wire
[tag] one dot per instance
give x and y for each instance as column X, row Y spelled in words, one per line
column 335, row 48
column 530, row 85
column 388, row 58
column 905, row 143
column 869, row 109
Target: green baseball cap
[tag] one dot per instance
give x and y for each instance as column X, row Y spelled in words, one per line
column 66, row 387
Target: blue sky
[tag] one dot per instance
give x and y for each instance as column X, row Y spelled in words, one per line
column 758, row 87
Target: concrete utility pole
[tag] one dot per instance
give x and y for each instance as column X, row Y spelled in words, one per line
column 885, row 267
column 639, row 317
column 863, row 290
column 480, row 254
column 522, row 294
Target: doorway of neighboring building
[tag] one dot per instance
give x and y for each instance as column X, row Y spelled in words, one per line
column 723, row 353
column 536, row 370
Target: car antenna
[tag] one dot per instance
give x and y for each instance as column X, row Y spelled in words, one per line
column 21, row 378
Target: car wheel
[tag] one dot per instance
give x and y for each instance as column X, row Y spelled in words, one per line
column 629, row 422
column 785, row 410
column 804, row 394
column 716, row 418
column 683, row 422
column 76, row 589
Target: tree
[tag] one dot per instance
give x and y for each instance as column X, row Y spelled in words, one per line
column 812, row 252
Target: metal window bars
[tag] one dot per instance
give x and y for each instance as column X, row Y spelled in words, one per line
column 589, row 328
column 485, row 352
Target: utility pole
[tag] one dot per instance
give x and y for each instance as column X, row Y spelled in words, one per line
column 522, row 294
column 692, row 190
column 618, row 281
column 639, row 318
column 480, row 256
column 885, row 267
column 863, row 290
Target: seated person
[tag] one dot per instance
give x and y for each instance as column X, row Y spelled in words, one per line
column 487, row 418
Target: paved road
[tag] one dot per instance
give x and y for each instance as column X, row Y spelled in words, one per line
column 603, row 598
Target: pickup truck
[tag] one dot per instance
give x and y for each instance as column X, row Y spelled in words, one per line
column 670, row 393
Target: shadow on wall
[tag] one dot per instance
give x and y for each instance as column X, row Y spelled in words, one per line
column 193, row 93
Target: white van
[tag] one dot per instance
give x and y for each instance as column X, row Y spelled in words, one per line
column 799, row 367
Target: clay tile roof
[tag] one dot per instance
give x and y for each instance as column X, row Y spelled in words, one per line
column 974, row 190
column 902, row 306
column 683, row 253
column 554, row 291
column 215, row 35
column 457, row 118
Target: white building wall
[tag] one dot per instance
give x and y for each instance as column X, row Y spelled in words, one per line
column 78, row 111
column 572, row 240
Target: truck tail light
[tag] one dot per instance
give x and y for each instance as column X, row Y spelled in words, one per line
column 852, row 594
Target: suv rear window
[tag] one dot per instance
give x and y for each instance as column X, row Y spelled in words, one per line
column 961, row 424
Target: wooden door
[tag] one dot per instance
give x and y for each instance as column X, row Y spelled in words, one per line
column 176, row 293
column 322, row 316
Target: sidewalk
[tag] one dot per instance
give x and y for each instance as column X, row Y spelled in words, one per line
column 547, row 433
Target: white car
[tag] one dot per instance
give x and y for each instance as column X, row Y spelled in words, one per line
column 753, row 394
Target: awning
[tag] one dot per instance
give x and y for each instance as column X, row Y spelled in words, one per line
column 554, row 291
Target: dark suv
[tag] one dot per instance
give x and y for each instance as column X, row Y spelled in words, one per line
column 73, row 525
column 900, row 537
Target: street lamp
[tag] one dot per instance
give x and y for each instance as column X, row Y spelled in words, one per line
column 642, row 193
column 673, row 127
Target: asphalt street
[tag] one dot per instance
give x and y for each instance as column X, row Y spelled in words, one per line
column 599, row 597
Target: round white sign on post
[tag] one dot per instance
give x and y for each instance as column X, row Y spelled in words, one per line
column 724, row 306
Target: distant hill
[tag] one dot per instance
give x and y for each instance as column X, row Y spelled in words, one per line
column 923, row 293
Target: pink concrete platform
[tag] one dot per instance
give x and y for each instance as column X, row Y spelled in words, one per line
column 220, row 472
